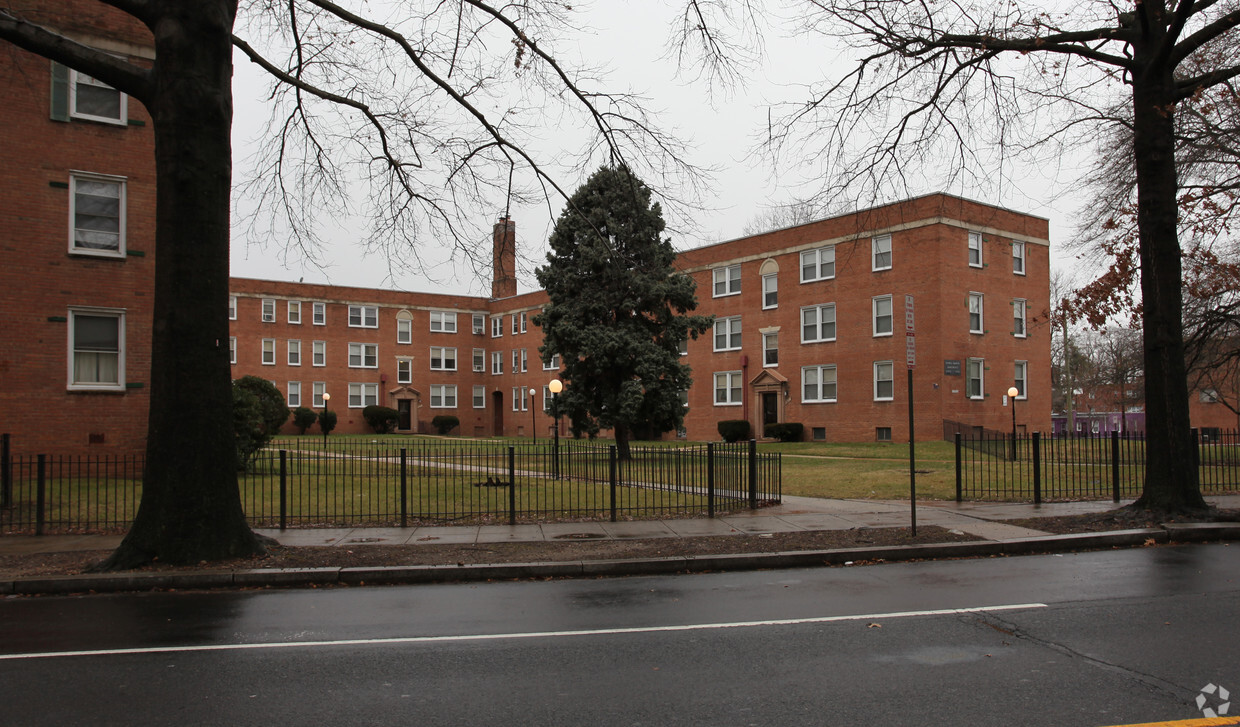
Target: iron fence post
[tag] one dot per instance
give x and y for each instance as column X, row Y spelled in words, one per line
column 6, row 472
column 1196, row 457
column 512, row 485
column 404, row 490
column 710, row 479
column 611, row 477
column 753, row 474
column 1114, row 466
column 1037, row 468
column 283, row 489
column 40, row 494
column 959, row 480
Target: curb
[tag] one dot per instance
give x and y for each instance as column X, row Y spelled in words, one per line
column 421, row 574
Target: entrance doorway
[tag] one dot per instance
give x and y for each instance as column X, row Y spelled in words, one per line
column 770, row 408
column 404, row 414
column 497, row 406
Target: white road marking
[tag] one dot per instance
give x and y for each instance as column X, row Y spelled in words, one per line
column 520, row 635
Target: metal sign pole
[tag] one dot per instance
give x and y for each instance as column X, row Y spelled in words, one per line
column 910, row 358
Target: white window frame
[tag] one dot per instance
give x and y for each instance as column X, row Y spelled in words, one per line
column 318, row 353
column 443, row 321
column 819, row 375
column 980, row 365
column 524, row 318
column 404, row 370
column 553, row 364
column 513, row 318
column 876, row 316
column 497, row 326
column 520, row 395
column 77, row 78
column 119, row 384
column 725, row 281
column 480, row 397
column 733, row 385
column 362, row 395
column 317, row 389
column 770, row 291
column 293, row 349
column 294, row 312
column 497, row 363
column 516, row 361
column 232, row 307
column 1020, row 323
column 294, row 394
column 479, row 360
column 404, row 330
column 1020, row 377
column 367, row 316
column 318, row 313
column 880, row 245
column 232, row 350
column 977, row 307
column 731, row 334
column 268, row 311
column 269, row 352
column 769, row 338
column 975, row 250
column 366, row 355
column 1018, row 257
column 445, row 394
column 818, row 312
column 817, row 259
column 525, row 360
column 683, row 347
column 888, row 368
column 441, row 357
column 479, row 323
column 121, row 192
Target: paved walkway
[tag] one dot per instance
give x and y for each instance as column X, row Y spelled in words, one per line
column 982, row 520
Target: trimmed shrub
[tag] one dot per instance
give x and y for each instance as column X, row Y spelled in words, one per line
column 327, row 421
column 445, row 423
column 382, row 419
column 734, row 430
column 259, row 410
column 785, row 431
column 304, row 418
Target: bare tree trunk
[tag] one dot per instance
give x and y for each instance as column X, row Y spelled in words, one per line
column 191, row 508
column 622, row 434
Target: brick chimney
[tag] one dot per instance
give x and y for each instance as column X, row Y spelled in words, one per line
column 504, row 259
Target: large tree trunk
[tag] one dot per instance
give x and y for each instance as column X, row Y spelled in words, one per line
column 191, row 507
column 1170, row 482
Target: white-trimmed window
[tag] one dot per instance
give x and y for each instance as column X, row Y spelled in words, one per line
column 497, row 326
column 818, row 323
column 404, row 370
column 269, row 352
column 525, row 360
column 497, row 362
column 97, row 215
column 294, row 394
column 881, row 306
column 232, row 307
column 318, row 353
column 975, row 249
column 975, row 313
column 269, row 310
column 1018, row 257
column 520, row 399
column 1021, row 378
column 294, row 312
column 728, row 334
column 524, row 320
column 318, row 315
column 294, row 352
column 770, row 349
column 480, row 397
column 513, row 319
column 770, row 291
column 363, row 316
column 974, row 378
column 818, row 264
column 480, row 361
column 443, row 358
column 363, row 356
column 479, row 324
column 404, row 327
column 1019, row 328
column 884, row 381
column 96, row 349
column 443, row 396
column 683, row 347
column 727, row 281
column 363, row 395
column 317, row 389
column 880, row 253
column 818, row 384
column 516, row 361
column 553, row 364
column 443, row 321
column 93, row 100
column 728, row 388
column 232, row 350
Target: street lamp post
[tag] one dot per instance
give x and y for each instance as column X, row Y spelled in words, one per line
column 555, row 387
column 1012, row 392
column 533, row 414
column 323, row 417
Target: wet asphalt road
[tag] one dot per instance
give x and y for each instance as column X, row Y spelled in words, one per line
column 1093, row 639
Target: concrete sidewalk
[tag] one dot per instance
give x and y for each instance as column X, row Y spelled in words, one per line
column 982, row 520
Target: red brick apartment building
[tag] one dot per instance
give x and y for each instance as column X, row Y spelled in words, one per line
column 811, row 327
column 77, row 166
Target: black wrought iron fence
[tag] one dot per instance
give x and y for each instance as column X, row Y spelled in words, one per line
column 995, row 466
column 302, row 482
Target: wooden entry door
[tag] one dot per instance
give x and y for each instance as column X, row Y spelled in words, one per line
column 770, row 409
